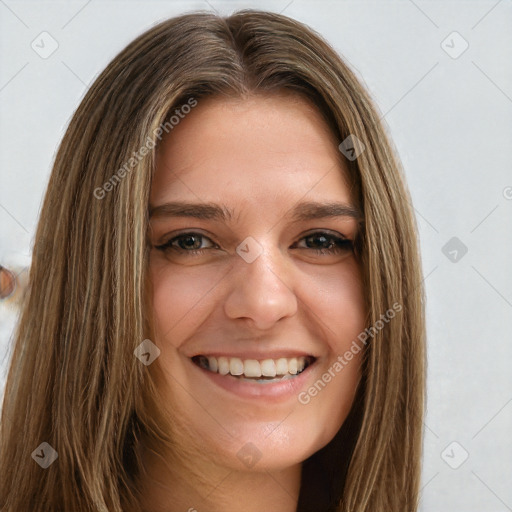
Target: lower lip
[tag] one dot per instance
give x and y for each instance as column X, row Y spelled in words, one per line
column 276, row 391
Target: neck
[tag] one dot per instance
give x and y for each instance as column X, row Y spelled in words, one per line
column 214, row 488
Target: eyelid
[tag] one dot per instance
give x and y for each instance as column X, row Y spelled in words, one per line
column 339, row 242
column 166, row 245
column 182, row 232
column 333, row 237
column 196, row 231
column 324, row 231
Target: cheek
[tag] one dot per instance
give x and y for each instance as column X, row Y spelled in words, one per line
column 181, row 298
column 336, row 297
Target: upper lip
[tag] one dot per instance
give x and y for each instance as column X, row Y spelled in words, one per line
column 259, row 355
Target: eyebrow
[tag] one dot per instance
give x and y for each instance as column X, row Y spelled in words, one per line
column 210, row 211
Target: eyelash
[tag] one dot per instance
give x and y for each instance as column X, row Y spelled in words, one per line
column 337, row 244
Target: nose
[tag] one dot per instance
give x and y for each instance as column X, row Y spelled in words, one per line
column 261, row 291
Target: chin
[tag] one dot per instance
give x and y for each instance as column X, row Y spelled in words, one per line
column 267, row 446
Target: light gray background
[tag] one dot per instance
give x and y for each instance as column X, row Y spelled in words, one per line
column 450, row 119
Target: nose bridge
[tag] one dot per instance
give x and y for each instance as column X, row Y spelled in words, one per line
column 261, row 288
column 266, row 271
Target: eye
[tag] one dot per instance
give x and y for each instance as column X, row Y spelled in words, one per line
column 324, row 243
column 191, row 243
column 320, row 242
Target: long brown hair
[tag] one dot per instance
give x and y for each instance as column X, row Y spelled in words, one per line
column 74, row 382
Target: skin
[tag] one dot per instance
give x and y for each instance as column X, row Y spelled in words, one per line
column 258, row 156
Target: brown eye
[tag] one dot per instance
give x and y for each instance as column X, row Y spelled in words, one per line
column 187, row 242
column 325, row 243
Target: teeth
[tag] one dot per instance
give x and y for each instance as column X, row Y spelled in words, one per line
column 282, row 366
column 268, row 368
column 251, row 368
column 236, row 367
column 223, row 364
column 212, row 363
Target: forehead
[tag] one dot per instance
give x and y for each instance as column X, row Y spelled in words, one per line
column 264, row 149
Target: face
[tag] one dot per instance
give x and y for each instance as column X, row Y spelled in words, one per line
column 256, row 287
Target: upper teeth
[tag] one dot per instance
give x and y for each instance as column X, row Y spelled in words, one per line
column 253, row 367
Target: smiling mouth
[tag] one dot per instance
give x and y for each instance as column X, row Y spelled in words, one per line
column 266, row 370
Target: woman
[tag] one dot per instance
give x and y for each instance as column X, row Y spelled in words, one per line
column 225, row 307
